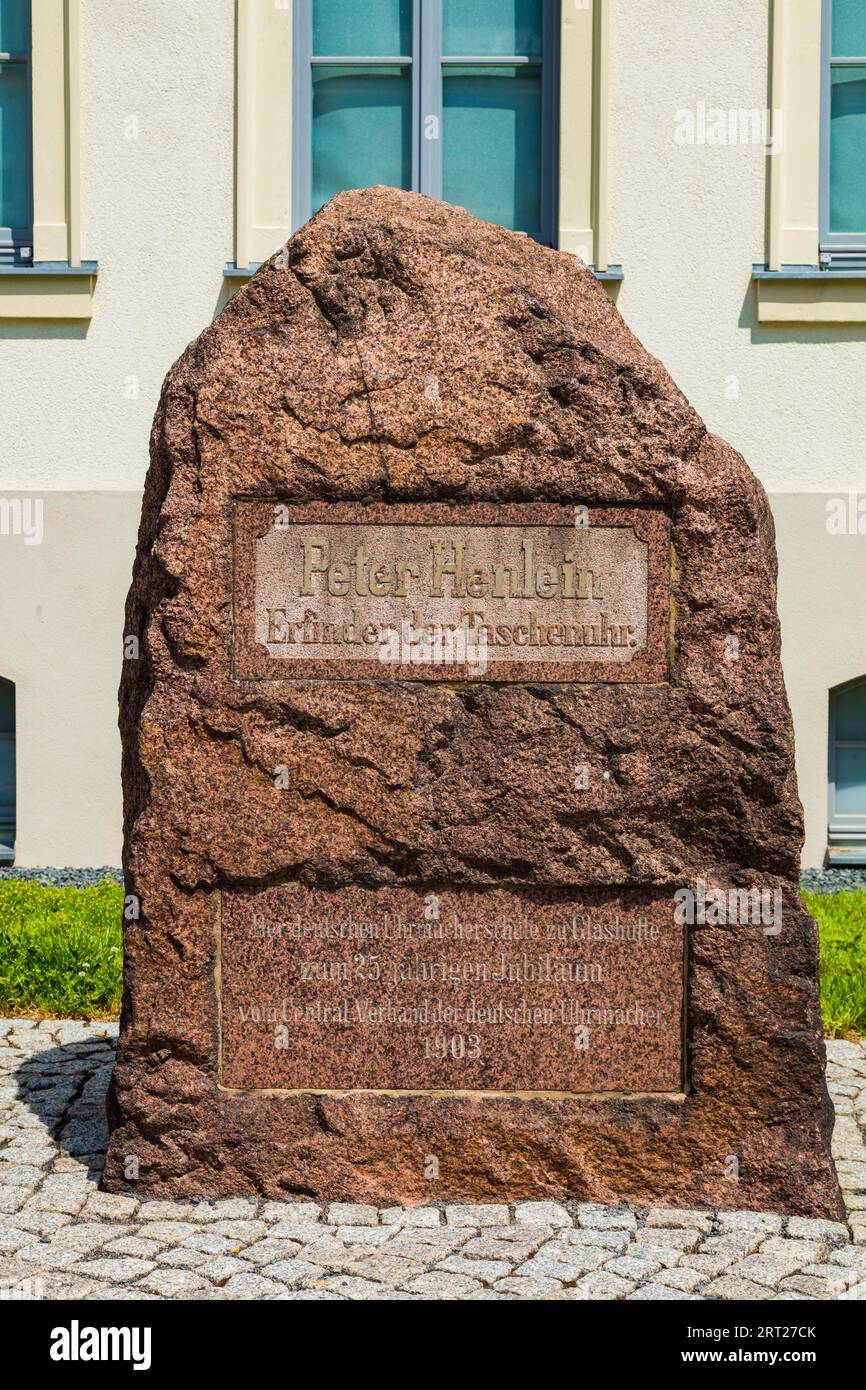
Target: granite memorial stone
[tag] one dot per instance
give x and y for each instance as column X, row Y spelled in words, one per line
column 461, row 825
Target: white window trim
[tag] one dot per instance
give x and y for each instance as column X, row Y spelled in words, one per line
column 57, row 285
column 263, row 129
column 846, row 831
column 793, row 287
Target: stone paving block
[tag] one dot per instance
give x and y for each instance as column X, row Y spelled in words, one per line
column 12, row 1238
column 631, row 1267
column 690, row 1219
column 541, row 1214
column 426, row 1252
column 656, row 1292
column 833, row 1232
column 767, row 1222
column 88, row 1235
column 844, row 1276
column 681, row 1277
column 361, row 1290
column 297, row 1273
column 713, row 1265
column 769, row 1270
column 410, row 1216
column 20, row 1175
column 179, row 1257
column 806, row 1251
column 241, row 1230
column 108, row 1206
column 166, row 1232
column 269, row 1250
column 154, row 1209
column 41, row 1223
column 351, row 1214
column 121, row 1269
column 851, row 1255
column 566, row 1267
column 364, row 1235
column 221, row 1269
column 48, row 1256
column 254, row 1286
column 667, row 1239
column 486, row 1248
column 664, row 1256
column 482, row 1215
column 290, row 1211
column 606, row 1218
column 526, row 1288
column 299, row 1230
column 387, row 1269
column 168, row 1282
column 731, row 1287
column 485, row 1271
column 737, row 1243
column 603, row 1285
column 809, row 1285
column 437, row 1284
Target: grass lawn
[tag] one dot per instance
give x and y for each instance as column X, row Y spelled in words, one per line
column 60, row 950
column 60, row 953
column 841, row 919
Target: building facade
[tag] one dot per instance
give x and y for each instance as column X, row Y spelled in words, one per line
column 707, row 159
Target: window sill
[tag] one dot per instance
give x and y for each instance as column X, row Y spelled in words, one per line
column 47, row 290
column 807, row 294
column 612, row 276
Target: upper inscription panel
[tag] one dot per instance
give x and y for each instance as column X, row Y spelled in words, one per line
column 437, row 592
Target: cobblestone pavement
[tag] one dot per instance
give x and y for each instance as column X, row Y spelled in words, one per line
column 60, row 1237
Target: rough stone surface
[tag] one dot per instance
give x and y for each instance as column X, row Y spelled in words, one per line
column 401, row 352
column 126, row 1248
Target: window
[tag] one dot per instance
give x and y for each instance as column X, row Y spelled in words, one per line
column 7, row 771
column 454, row 98
column 843, row 136
column 16, row 200
column 848, row 773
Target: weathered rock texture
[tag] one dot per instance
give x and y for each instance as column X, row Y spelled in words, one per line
column 399, row 351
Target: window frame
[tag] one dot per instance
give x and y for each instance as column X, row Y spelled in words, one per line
column 7, row 735
column 837, row 249
column 16, row 243
column 427, row 60
column 847, row 830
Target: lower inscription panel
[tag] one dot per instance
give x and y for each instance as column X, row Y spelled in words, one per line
column 458, row 990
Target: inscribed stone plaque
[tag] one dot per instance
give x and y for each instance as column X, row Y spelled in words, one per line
column 437, row 592
column 465, row 991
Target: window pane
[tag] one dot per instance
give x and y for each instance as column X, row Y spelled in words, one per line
column 851, row 715
column 14, row 17
column 851, row 781
column 7, row 770
column 362, row 129
column 849, row 29
column 491, row 144
column 374, row 28
column 14, row 126
column 484, row 28
column 848, row 150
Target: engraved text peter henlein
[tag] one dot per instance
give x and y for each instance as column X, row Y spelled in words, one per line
column 478, row 593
